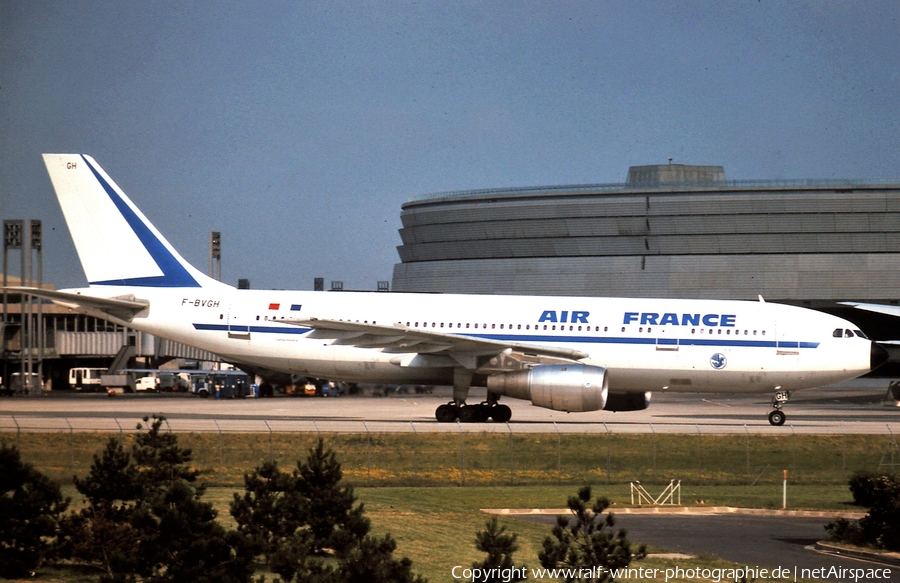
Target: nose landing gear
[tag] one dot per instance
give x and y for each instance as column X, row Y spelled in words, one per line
column 777, row 417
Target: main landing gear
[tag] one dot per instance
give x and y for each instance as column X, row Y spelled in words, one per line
column 457, row 408
column 479, row 413
column 777, row 417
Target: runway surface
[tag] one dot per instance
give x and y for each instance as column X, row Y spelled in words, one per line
column 855, row 407
column 750, row 541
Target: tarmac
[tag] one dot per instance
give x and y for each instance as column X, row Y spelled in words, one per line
column 752, row 538
column 856, row 407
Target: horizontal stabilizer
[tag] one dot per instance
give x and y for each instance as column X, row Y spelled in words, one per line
column 122, row 308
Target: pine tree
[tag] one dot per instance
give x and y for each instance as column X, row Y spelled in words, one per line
column 182, row 542
column 146, row 518
column 311, row 528
column 112, row 481
column 372, row 561
column 159, row 458
column 589, row 541
column 329, row 511
column 270, row 510
column 30, row 508
column 499, row 546
column 101, row 534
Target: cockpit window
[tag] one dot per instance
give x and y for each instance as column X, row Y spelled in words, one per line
column 838, row 332
column 848, row 334
column 860, row 334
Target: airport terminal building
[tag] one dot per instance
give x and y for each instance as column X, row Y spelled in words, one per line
column 669, row 231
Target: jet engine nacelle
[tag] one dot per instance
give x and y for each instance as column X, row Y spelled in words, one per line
column 627, row 401
column 562, row 387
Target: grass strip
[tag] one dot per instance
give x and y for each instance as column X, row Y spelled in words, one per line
column 489, row 459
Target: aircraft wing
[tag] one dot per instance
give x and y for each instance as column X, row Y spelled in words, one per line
column 122, row 308
column 877, row 308
column 401, row 339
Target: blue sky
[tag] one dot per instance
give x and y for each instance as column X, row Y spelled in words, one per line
column 298, row 129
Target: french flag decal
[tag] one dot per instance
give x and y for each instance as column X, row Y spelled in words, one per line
column 274, row 306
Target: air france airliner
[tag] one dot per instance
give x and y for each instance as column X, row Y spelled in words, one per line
column 563, row 353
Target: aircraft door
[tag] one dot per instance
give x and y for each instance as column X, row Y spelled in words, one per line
column 787, row 349
column 238, row 324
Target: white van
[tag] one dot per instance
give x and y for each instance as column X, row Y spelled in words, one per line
column 150, row 384
column 85, row 379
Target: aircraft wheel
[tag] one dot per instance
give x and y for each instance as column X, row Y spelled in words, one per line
column 445, row 414
column 777, row 418
column 469, row 414
column 501, row 413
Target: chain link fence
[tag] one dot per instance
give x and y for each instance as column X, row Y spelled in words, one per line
column 462, row 455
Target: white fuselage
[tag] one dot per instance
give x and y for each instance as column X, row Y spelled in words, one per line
column 644, row 344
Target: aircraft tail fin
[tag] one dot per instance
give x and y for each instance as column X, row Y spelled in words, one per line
column 116, row 243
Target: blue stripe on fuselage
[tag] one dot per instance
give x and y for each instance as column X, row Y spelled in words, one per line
column 548, row 339
column 647, row 341
column 245, row 328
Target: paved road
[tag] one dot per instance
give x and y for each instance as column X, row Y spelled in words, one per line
column 754, row 541
column 852, row 408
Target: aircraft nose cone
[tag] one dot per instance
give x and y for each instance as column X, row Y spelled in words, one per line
column 878, row 356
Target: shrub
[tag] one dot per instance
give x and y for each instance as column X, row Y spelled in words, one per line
column 30, row 508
